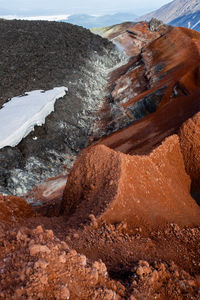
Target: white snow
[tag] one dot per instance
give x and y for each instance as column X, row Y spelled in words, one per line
column 195, row 24
column 19, row 116
column 36, row 18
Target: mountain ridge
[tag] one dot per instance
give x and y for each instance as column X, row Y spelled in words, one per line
column 173, row 10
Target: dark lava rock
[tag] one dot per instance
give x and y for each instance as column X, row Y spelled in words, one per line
column 43, row 55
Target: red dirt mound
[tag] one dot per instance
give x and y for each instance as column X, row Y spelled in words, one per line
column 145, row 191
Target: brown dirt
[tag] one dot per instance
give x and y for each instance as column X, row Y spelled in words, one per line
column 14, row 210
column 46, row 264
column 190, row 147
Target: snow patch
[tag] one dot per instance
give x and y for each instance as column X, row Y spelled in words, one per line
column 197, row 23
column 37, row 18
column 19, row 116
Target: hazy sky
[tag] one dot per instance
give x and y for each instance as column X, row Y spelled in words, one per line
column 81, row 6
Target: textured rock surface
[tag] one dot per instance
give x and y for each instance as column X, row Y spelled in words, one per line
column 163, row 78
column 42, row 55
column 144, row 191
column 46, row 268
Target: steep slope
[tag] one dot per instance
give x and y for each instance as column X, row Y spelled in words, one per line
column 173, row 10
column 189, row 20
column 43, row 55
column 168, row 88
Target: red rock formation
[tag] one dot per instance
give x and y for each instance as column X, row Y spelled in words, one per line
column 165, row 73
column 132, row 36
column 145, row 191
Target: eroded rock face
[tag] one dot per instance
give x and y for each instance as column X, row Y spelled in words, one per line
column 139, row 190
column 164, row 81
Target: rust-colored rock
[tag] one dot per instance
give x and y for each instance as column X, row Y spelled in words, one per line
column 131, row 36
column 145, row 191
column 190, row 147
column 163, row 79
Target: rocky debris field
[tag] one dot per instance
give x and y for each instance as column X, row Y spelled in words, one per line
column 128, row 223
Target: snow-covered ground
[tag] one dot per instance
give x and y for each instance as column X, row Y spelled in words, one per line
column 19, row 116
column 35, row 18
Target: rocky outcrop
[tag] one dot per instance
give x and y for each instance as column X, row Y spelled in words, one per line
column 144, row 191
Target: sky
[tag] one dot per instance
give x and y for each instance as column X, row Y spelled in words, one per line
column 79, row 6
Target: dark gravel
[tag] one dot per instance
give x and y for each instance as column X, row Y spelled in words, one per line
column 43, row 55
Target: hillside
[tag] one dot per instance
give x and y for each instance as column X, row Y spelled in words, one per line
column 39, row 55
column 173, row 10
column 189, row 20
column 89, row 21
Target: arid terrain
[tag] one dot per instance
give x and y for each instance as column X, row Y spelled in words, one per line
column 124, row 221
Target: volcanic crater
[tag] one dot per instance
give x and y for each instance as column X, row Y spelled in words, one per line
column 126, row 225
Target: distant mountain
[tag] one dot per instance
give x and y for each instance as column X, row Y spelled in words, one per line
column 91, row 21
column 174, row 10
column 190, row 21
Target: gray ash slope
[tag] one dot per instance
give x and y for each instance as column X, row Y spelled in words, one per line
column 43, row 55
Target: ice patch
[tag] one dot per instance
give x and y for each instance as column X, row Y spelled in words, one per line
column 19, row 116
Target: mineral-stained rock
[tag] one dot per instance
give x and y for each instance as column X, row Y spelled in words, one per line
column 163, row 79
column 139, row 190
column 131, row 37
